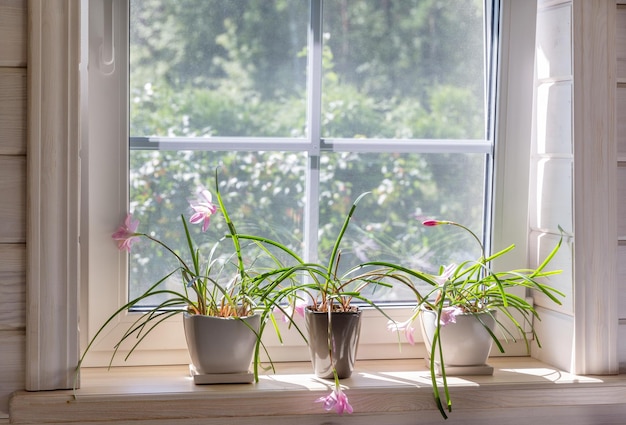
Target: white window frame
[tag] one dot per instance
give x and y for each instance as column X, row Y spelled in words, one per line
column 105, row 194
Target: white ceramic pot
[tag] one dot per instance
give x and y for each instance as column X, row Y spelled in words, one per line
column 221, row 344
column 464, row 343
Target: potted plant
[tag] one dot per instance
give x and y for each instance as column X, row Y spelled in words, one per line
column 248, row 299
column 326, row 297
column 466, row 304
column 220, row 298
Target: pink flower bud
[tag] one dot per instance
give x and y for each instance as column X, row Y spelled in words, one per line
column 431, row 223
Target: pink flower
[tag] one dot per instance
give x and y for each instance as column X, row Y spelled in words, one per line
column 405, row 326
column 126, row 233
column 448, row 315
column 445, row 275
column 337, row 400
column 203, row 210
column 290, row 311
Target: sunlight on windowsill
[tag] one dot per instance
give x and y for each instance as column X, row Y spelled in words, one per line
column 298, row 376
column 378, row 387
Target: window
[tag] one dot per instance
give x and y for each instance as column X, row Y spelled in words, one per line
column 394, row 80
column 301, row 106
column 102, row 163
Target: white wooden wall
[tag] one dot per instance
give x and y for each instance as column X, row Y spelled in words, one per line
column 575, row 182
column 551, row 176
column 13, row 58
column 620, row 105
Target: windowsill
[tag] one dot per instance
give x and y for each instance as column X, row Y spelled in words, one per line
column 396, row 389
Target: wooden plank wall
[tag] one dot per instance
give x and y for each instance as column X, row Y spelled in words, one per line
column 13, row 61
column 551, row 162
column 620, row 104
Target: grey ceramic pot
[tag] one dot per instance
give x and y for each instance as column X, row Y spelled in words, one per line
column 346, row 328
column 221, row 344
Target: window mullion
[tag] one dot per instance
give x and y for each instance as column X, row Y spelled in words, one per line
column 314, row 102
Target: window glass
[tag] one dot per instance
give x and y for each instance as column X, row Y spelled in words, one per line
column 262, row 191
column 403, row 69
column 218, row 68
column 404, row 190
column 229, row 71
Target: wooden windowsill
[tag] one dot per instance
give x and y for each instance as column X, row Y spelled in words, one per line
column 385, row 392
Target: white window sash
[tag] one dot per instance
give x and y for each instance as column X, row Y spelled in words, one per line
column 107, row 178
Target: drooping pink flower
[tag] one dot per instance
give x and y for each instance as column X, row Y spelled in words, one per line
column 126, row 234
column 448, row 315
column 406, row 327
column 336, row 400
column 203, row 209
column 445, row 275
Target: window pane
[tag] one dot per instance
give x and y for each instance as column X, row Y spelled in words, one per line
column 405, row 190
column 218, row 68
column 263, row 193
column 412, row 70
column 409, row 69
